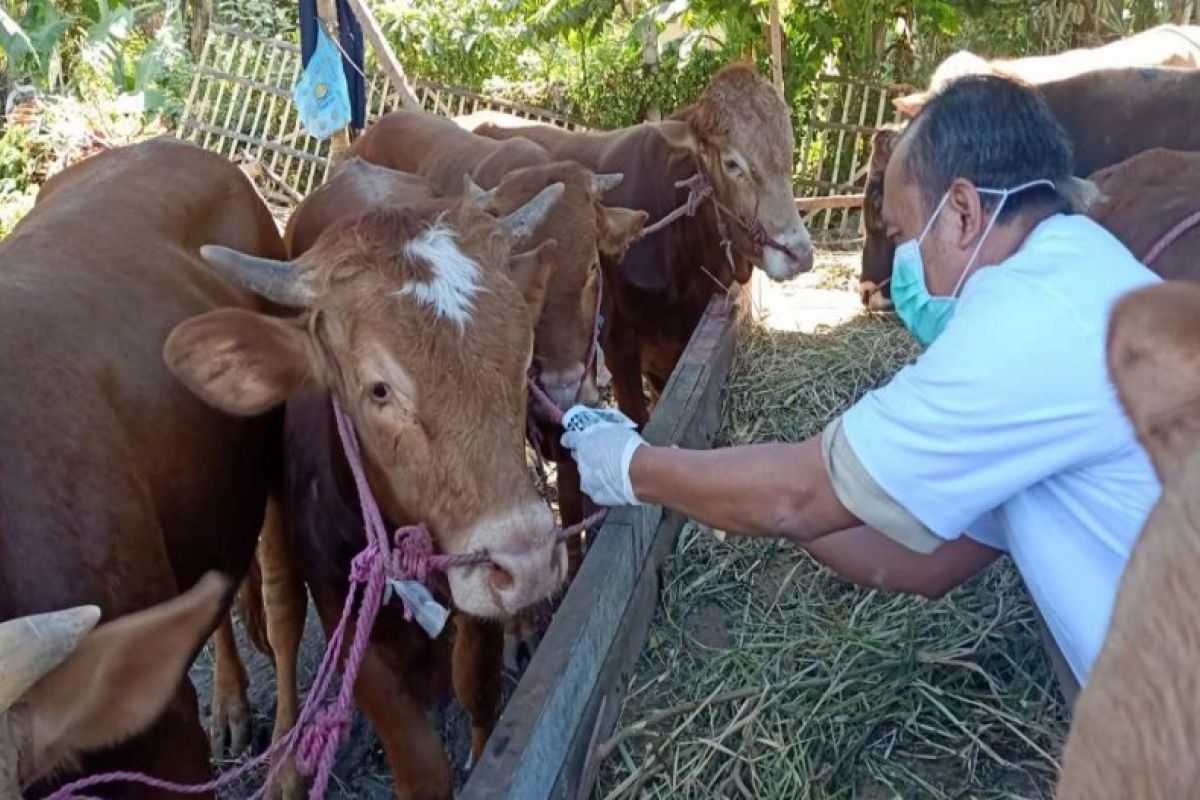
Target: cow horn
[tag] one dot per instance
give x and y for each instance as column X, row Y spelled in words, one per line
column 605, row 181
column 32, row 646
column 477, row 194
column 521, row 223
column 279, row 281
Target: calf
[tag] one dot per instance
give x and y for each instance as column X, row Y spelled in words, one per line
column 738, row 136
column 120, row 488
column 1109, row 116
column 412, row 320
column 1164, row 46
column 1137, row 722
column 66, row 689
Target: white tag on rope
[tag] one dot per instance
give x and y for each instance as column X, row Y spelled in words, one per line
column 427, row 612
column 580, row 418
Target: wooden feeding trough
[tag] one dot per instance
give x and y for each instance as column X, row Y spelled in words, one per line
column 570, row 694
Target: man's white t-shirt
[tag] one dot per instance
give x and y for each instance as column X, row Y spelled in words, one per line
column 1008, row 428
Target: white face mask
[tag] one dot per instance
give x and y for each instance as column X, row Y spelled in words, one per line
column 922, row 313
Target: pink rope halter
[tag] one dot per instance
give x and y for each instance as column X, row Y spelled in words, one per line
column 324, row 721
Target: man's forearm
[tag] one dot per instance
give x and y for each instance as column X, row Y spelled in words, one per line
column 758, row 490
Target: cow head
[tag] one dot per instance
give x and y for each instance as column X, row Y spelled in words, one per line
column 66, row 689
column 878, row 248
column 419, row 321
column 741, row 131
column 585, row 230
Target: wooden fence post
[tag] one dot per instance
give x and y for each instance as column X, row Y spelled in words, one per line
column 776, row 47
column 383, row 51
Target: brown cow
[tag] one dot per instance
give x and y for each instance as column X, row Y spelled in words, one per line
column 66, row 689
column 1144, row 198
column 354, row 187
column 412, row 322
column 444, row 154
column 739, row 134
column 1175, row 46
column 120, row 488
column 1137, row 722
column 1109, row 116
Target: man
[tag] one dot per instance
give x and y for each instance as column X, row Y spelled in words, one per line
column 1006, row 435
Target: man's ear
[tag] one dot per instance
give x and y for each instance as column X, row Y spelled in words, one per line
column 617, row 228
column 121, row 677
column 530, row 271
column 1154, row 360
column 679, row 134
column 238, row 361
column 965, row 204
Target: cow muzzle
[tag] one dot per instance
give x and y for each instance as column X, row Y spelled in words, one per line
column 570, row 386
column 793, row 255
column 527, row 564
column 873, row 297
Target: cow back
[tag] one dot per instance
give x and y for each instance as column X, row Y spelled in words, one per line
column 1144, row 198
column 120, row 487
column 1112, row 115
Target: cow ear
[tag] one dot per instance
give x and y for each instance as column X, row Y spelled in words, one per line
column 237, row 361
column 679, row 134
column 121, row 677
column 1154, row 360
column 618, row 228
column 530, row 271
column 910, row 104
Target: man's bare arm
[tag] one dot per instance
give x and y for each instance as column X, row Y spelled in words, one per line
column 868, row 558
column 757, row 490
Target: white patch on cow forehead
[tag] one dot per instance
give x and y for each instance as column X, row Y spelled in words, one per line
column 451, row 290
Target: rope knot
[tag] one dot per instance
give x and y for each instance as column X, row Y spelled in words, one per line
column 321, row 738
column 413, row 549
column 365, row 563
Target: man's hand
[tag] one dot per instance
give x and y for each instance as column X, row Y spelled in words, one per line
column 603, row 442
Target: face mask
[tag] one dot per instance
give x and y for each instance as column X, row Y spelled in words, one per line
column 924, row 315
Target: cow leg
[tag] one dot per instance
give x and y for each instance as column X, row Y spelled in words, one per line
column 285, row 605
column 478, row 649
column 229, row 727
column 624, row 360
column 414, row 750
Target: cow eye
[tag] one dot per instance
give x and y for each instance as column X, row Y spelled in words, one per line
column 380, row 391
column 732, row 166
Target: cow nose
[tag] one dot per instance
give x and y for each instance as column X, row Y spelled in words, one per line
column 793, row 258
column 566, row 387
column 518, row 580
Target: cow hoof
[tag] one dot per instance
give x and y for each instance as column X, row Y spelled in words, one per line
column 229, row 729
column 289, row 785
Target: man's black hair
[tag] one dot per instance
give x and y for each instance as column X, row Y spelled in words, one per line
column 995, row 132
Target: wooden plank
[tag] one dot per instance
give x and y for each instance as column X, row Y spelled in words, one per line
column 830, row 201
column 601, row 625
column 383, row 51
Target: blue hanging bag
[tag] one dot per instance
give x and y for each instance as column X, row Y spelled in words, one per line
column 321, row 95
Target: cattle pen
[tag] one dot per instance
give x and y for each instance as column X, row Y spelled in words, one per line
column 598, row 710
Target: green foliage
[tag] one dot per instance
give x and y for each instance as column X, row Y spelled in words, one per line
column 584, row 57
column 278, row 18
column 92, row 48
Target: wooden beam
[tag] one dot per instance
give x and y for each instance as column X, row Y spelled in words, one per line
column 830, row 201
column 541, row 744
column 383, row 51
column 776, row 47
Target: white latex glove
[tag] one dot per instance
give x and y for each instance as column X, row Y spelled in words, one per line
column 603, row 441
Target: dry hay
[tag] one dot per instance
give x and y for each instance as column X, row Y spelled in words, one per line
column 766, row 677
